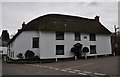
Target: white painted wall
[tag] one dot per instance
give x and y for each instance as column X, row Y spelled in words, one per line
column 48, row 42
column 24, row 42
column 103, row 44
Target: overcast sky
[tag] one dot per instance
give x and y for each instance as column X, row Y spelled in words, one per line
column 14, row 13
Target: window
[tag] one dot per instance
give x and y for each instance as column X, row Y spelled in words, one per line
column 10, row 54
column 35, row 42
column 59, row 49
column 77, row 36
column 92, row 37
column 8, row 48
column 13, row 54
column 59, row 35
column 92, row 49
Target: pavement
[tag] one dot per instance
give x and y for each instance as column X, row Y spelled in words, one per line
column 93, row 67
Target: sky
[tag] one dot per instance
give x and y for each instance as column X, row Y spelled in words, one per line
column 14, row 13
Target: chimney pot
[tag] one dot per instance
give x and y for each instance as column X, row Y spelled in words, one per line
column 19, row 30
column 97, row 18
column 23, row 24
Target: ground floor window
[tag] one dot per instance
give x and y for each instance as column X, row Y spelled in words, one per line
column 35, row 42
column 59, row 49
column 13, row 54
column 10, row 54
column 92, row 49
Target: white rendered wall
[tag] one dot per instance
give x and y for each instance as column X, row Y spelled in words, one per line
column 48, row 42
column 24, row 42
column 103, row 44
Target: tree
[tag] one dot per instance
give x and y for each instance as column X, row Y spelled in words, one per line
column 20, row 56
column 29, row 54
column 5, row 37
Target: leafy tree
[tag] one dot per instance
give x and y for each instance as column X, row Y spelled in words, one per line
column 5, row 37
column 29, row 54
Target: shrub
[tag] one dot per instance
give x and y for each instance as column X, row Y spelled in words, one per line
column 29, row 54
column 20, row 56
column 72, row 49
column 36, row 57
column 76, row 49
column 85, row 50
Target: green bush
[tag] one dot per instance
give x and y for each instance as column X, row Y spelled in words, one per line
column 29, row 54
column 20, row 56
column 36, row 57
column 85, row 50
column 76, row 49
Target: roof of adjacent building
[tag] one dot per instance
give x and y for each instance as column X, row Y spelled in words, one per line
column 0, row 41
column 64, row 23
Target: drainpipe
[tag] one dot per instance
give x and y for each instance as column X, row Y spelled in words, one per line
column 38, row 34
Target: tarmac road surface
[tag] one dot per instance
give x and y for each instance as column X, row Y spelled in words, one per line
column 95, row 67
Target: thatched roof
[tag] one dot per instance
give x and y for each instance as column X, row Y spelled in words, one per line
column 66, row 23
column 63, row 23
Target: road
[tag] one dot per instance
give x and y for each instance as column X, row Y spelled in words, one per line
column 95, row 67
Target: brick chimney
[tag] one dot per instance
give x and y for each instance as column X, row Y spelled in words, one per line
column 97, row 18
column 23, row 24
column 19, row 30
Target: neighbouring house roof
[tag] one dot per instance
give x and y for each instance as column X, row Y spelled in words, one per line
column 0, row 41
column 64, row 23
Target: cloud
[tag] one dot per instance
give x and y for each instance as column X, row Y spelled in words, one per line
column 0, row 18
column 93, row 3
column 14, row 13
